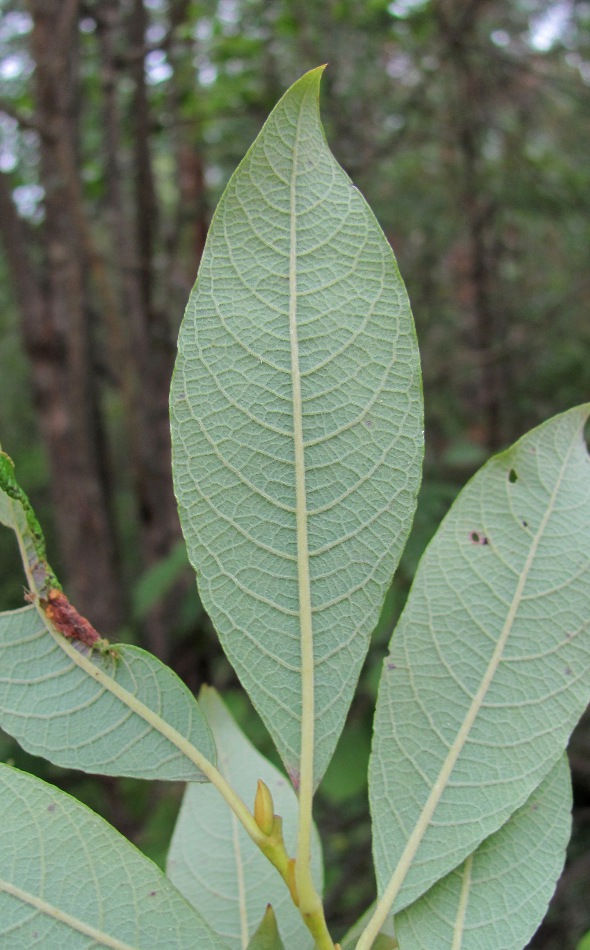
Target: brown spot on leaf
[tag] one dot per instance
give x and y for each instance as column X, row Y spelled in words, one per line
column 67, row 620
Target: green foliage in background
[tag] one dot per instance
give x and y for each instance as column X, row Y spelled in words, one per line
column 297, row 428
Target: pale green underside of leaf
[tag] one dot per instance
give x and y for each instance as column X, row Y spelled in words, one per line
column 69, row 880
column 298, row 294
column 54, row 706
column 490, row 663
column 213, row 862
column 499, row 896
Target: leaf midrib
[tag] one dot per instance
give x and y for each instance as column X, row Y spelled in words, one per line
column 459, row 927
column 239, row 861
column 49, row 910
column 301, row 514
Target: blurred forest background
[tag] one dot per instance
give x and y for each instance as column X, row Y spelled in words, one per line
column 466, row 125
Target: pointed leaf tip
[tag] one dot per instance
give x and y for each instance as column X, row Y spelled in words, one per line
column 267, row 936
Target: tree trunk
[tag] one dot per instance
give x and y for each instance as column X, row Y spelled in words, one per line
column 57, row 333
column 130, row 294
column 147, row 340
column 469, row 104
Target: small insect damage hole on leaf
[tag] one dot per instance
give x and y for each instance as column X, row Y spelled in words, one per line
column 476, row 537
column 512, row 476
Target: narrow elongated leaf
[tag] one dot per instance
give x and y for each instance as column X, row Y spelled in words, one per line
column 297, row 426
column 490, row 663
column 67, row 879
column 498, row 897
column 129, row 715
column 213, row 862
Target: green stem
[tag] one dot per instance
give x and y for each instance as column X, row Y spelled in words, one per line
column 316, row 924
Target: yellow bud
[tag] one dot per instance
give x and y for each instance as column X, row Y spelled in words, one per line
column 264, row 808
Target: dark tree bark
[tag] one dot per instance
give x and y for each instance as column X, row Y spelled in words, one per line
column 130, row 299
column 147, row 338
column 469, row 109
column 152, row 352
column 56, row 327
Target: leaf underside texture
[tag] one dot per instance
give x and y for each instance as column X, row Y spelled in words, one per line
column 297, row 426
column 126, row 722
column 489, row 668
column 71, row 881
column 498, row 897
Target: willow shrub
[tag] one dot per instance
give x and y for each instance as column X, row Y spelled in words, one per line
column 296, row 414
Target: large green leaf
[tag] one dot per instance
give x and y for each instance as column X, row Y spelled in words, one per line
column 499, row 895
column 213, row 862
column 490, row 663
column 124, row 715
column 67, row 879
column 297, row 427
